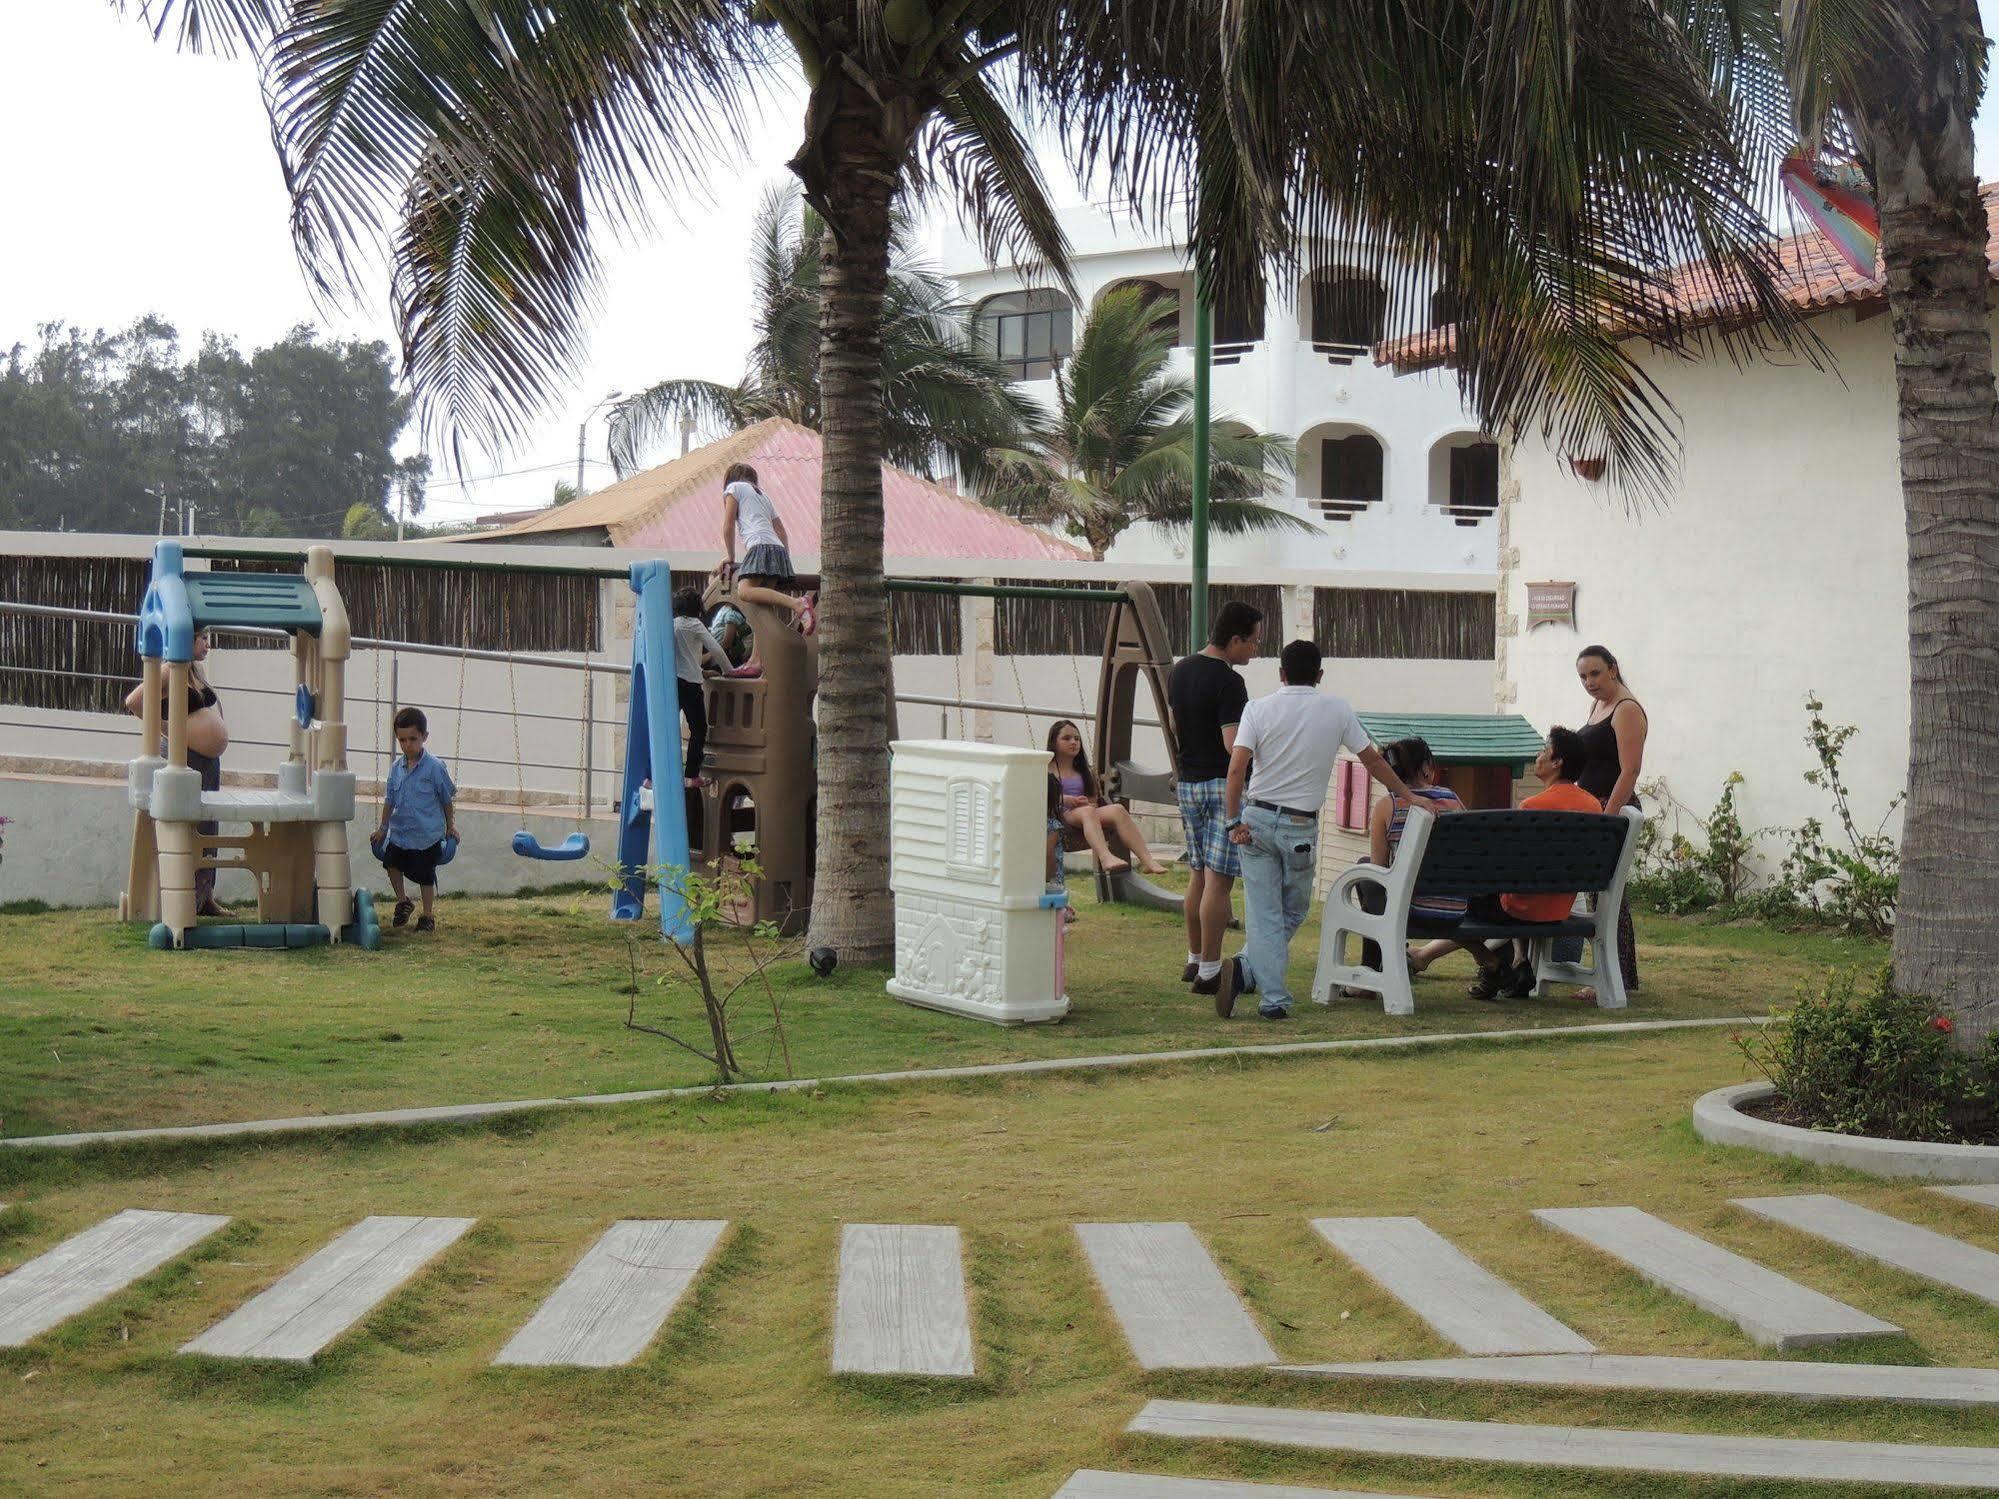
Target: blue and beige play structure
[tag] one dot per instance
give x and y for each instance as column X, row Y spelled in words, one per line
column 652, row 819
column 294, row 835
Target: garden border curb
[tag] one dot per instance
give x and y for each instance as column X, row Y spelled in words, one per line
column 1719, row 1121
column 467, row 1112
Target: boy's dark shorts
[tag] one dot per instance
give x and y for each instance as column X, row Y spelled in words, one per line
column 419, row 864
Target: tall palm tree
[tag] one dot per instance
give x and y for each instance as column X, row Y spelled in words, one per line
column 1119, row 448
column 940, row 393
column 1551, row 155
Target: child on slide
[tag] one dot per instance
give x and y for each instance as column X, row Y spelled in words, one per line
column 765, row 570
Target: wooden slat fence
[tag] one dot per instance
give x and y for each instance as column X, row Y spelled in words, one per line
column 1403, row 624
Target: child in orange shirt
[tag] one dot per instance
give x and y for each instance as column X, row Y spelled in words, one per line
column 1507, row 967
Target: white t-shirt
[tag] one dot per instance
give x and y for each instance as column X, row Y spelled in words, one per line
column 1296, row 735
column 691, row 639
column 756, row 517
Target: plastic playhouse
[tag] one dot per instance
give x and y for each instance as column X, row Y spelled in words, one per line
column 294, row 835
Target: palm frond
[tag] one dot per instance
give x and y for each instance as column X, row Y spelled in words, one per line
column 642, row 423
column 222, row 28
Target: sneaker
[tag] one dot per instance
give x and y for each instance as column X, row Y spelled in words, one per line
column 425, row 924
column 1191, row 972
column 1520, row 980
column 1273, row 1014
column 1230, row 986
column 1486, row 985
column 1207, row 985
column 403, row 909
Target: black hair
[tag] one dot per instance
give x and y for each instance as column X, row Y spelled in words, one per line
column 412, row 718
column 1569, row 752
column 687, row 603
column 1234, row 621
column 1408, row 757
column 1082, row 755
column 1602, row 653
column 1300, row 664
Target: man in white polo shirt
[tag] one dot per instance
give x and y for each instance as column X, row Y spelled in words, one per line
column 1293, row 738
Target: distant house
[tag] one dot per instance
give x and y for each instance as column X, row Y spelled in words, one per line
column 678, row 507
column 1778, row 567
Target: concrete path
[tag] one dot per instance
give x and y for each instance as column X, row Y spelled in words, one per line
column 612, row 1305
column 102, row 1260
column 1773, row 1309
column 1984, row 1196
column 1576, row 1447
column 331, row 1291
column 462, row 1113
column 901, row 1305
column 1176, row 1310
column 1463, row 1302
column 1896, row 1383
column 1092, row 1483
column 1919, row 1251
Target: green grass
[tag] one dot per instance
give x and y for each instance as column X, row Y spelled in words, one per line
column 735, row 1398
column 525, row 998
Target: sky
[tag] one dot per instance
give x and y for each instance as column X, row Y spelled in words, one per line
column 141, row 180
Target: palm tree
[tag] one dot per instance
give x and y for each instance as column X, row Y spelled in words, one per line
column 1550, row 156
column 940, row 394
column 1120, row 446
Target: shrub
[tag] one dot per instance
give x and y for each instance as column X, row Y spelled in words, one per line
column 1867, row 1060
column 1852, row 879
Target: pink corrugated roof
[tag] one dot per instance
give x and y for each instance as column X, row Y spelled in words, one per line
column 678, row 506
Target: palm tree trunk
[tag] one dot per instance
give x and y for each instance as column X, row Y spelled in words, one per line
column 1934, row 246
column 851, row 908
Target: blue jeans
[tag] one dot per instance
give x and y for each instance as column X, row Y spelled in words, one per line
column 1278, row 866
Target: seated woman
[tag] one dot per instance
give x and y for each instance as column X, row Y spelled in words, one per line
column 1414, row 761
column 1084, row 809
column 1507, row 967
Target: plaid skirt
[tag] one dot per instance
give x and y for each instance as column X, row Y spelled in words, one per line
column 766, row 560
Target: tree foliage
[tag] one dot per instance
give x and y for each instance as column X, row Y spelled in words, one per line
column 290, row 440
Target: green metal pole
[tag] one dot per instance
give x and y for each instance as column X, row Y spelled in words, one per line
column 1204, row 360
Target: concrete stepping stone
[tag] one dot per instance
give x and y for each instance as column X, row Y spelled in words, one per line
column 1919, row 1251
column 612, row 1305
column 1984, row 1196
column 1895, row 1383
column 1094, row 1483
column 1773, row 1309
column 1176, row 1310
column 1576, row 1447
column 901, row 1306
column 83, row 1270
column 1463, row 1302
column 331, row 1291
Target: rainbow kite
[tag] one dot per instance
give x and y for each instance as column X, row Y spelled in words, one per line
column 1835, row 197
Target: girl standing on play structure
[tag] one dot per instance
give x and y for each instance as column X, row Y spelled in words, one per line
column 1085, row 809
column 765, row 571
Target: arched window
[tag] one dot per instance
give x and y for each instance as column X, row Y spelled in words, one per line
column 1238, row 320
column 1162, row 299
column 1340, row 470
column 1464, row 477
column 1443, row 307
column 1347, row 309
column 1029, row 332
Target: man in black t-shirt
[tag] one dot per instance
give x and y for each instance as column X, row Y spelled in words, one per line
column 1207, row 696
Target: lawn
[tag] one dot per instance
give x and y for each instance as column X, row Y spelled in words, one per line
column 735, row 1399
column 525, row 998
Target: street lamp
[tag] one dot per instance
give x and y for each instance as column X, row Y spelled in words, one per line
column 583, row 428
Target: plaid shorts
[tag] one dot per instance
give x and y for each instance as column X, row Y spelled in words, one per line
column 1201, row 814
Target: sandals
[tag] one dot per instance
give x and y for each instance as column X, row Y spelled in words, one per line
column 1486, row 985
column 806, row 620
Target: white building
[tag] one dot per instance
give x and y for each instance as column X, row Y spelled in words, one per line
column 1394, row 472
column 1777, row 568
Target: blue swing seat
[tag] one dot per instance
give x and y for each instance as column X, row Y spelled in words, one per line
column 575, row 846
column 446, row 852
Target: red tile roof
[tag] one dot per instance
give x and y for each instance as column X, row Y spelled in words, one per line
column 678, row 506
column 1813, row 275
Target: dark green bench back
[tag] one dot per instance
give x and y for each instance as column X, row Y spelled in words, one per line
column 1525, row 853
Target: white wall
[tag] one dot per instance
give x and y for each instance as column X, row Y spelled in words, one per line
column 1778, row 567
column 1281, row 385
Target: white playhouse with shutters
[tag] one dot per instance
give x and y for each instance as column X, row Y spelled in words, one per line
column 977, row 931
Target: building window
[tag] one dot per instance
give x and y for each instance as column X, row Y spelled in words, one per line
column 1474, row 492
column 1238, row 322
column 1029, row 332
column 1348, row 311
column 1349, row 475
column 1443, row 307
column 1162, row 300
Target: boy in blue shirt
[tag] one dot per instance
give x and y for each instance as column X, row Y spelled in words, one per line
column 416, row 817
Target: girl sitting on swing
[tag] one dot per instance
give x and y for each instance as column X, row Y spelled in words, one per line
column 765, row 571
column 1084, row 808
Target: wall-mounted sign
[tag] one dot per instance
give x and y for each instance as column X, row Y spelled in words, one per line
column 1551, row 604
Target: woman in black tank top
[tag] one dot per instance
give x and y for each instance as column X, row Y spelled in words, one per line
column 1615, row 737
